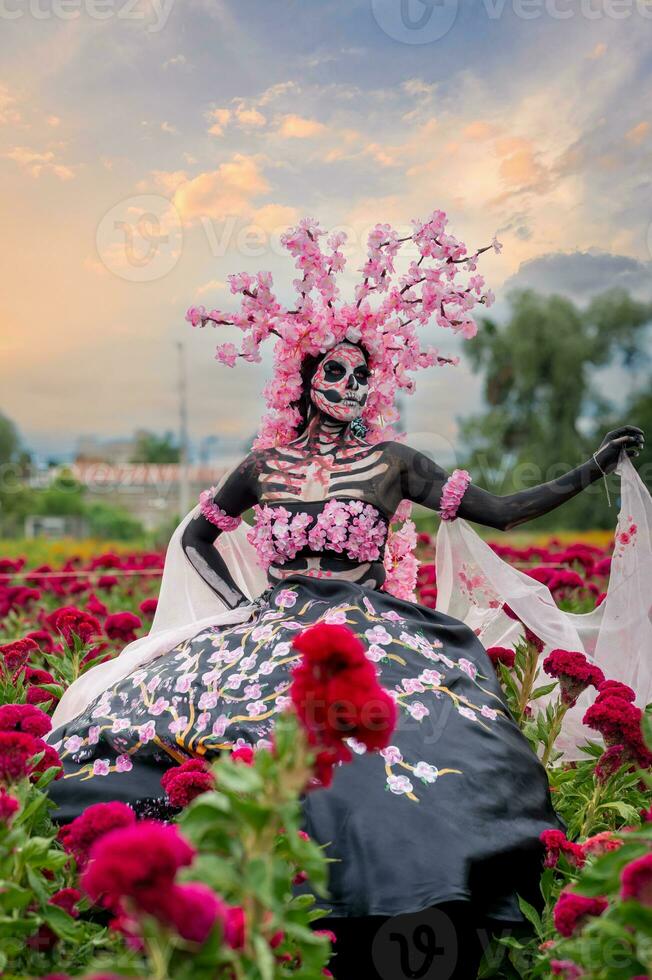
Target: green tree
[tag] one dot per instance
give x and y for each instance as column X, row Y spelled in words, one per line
column 152, row 448
column 9, row 440
column 543, row 405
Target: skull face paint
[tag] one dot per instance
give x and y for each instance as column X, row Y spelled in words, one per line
column 340, row 385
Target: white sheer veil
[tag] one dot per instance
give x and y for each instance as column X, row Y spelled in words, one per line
column 473, row 583
column 186, row 605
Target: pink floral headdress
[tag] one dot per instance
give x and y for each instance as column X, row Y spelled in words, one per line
column 431, row 289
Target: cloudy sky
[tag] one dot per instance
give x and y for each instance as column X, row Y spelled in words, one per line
column 148, row 148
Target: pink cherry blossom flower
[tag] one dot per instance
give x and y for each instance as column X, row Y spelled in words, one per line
column 101, row 767
column 426, row 772
column 399, row 785
column 392, row 755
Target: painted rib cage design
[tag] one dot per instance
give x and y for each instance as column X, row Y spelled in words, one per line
column 306, row 472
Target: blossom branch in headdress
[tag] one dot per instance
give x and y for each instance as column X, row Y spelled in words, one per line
column 430, row 290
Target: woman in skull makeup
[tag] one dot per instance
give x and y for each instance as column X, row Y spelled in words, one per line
column 448, row 817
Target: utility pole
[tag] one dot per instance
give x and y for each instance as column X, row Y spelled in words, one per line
column 184, row 487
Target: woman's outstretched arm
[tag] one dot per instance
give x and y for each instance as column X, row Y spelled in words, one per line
column 236, row 495
column 423, row 482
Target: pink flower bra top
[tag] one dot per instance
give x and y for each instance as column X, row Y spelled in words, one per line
column 352, row 528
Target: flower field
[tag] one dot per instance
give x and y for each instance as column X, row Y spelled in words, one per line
column 210, row 894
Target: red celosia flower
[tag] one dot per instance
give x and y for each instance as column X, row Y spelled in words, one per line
column 11, row 565
column 646, row 815
column 617, row 720
column 501, row 655
column 615, row 689
column 97, row 820
column 9, row 805
column 193, row 910
column 335, row 689
column 566, row 969
column 67, row 899
column 16, row 752
column 43, row 639
column 601, row 843
column 572, row 911
column 611, row 760
column 148, row 607
column 121, row 626
column 574, row 672
column 139, row 863
column 636, row 880
column 325, row 762
column 24, row 718
column 243, row 753
column 15, row 655
column 557, row 845
column 50, row 760
column 183, row 783
column 70, row 621
column 96, row 607
column 530, row 637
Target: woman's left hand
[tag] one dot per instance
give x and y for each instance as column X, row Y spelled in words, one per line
column 627, row 437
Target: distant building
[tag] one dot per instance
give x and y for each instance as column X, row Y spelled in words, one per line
column 55, row 526
column 148, row 491
column 91, row 449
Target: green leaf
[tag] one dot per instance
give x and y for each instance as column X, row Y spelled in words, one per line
column 12, row 896
column 531, row 915
column 61, row 923
column 626, row 811
column 264, row 958
column 539, row 692
column 235, row 777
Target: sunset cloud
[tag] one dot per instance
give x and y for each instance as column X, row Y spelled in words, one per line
column 297, row 127
column 36, row 162
column 637, row 134
column 228, row 190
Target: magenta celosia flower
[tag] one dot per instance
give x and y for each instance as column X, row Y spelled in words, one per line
column 501, row 655
column 185, row 782
column 616, row 689
column 9, row 805
column 565, row 969
column 24, row 718
column 574, row 672
column 572, row 911
column 617, row 720
column 193, row 909
column 16, row 654
column 99, row 819
column 139, row 862
column 122, row 626
column 148, row 607
column 601, row 843
column 16, row 752
column 557, row 845
column 636, row 881
column 530, row 637
column 70, row 621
